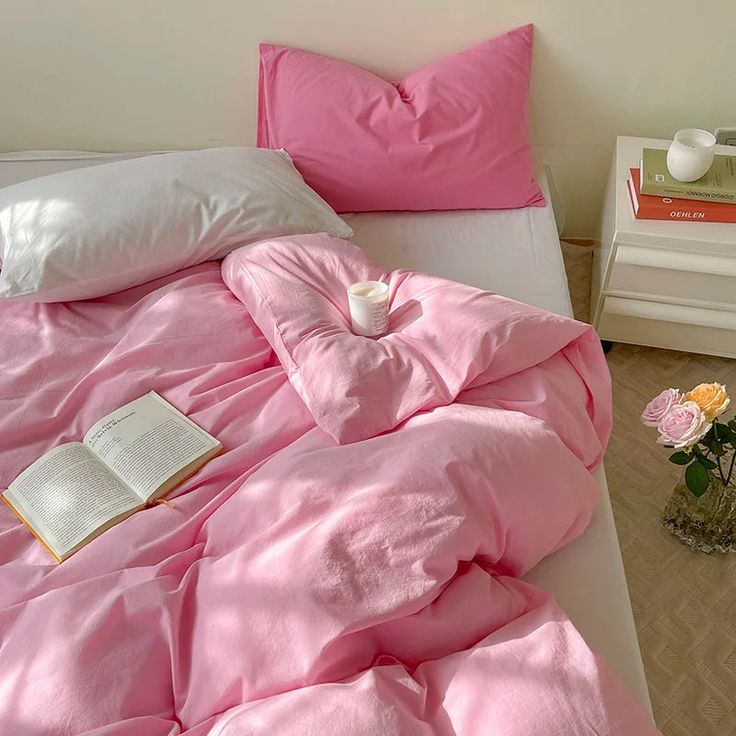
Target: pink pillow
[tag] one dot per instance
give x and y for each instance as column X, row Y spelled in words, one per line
column 450, row 136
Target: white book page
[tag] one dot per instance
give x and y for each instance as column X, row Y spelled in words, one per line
column 148, row 441
column 67, row 494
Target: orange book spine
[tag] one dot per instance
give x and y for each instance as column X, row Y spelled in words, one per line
column 648, row 207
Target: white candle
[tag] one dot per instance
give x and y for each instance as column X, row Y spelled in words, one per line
column 368, row 302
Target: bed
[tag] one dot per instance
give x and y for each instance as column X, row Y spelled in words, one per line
column 586, row 576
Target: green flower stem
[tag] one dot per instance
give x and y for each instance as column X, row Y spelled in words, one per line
column 720, row 469
column 718, row 459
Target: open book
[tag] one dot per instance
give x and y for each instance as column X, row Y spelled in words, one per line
column 131, row 457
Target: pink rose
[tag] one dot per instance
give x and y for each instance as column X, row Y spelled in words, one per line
column 659, row 406
column 683, row 425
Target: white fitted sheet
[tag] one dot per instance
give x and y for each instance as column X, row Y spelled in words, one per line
column 511, row 252
column 517, row 253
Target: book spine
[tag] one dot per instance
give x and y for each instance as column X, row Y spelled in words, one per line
column 681, row 214
column 29, row 527
column 685, row 192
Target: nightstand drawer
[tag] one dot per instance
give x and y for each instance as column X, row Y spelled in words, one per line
column 672, row 326
column 675, row 274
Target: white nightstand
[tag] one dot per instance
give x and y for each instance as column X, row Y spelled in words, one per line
column 662, row 283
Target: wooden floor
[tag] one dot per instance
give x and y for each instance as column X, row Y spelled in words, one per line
column 684, row 602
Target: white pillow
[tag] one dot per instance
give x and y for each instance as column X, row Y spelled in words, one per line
column 93, row 231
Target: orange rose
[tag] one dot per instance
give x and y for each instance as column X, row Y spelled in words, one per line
column 711, row 398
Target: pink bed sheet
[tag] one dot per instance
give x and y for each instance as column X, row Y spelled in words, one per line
column 299, row 585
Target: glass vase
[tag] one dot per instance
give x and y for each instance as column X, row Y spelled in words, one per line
column 706, row 523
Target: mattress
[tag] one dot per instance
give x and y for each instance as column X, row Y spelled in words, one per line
column 515, row 253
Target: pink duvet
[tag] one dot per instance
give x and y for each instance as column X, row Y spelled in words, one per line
column 350, row 564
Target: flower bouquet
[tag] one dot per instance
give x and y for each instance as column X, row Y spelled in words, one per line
column 702, row 512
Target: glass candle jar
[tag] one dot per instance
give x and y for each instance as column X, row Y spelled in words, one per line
column 368, row 302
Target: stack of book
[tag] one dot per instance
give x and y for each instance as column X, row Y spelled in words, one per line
column 655, row 195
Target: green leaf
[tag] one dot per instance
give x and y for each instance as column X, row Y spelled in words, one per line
column 717, row 448
column 681, row 458
column 727, row 435
column 696, row 478
column 708, row 463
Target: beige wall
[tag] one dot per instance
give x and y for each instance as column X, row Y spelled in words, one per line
column 137, row 74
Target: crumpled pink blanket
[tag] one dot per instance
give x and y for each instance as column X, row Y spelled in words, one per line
column 349, row 565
